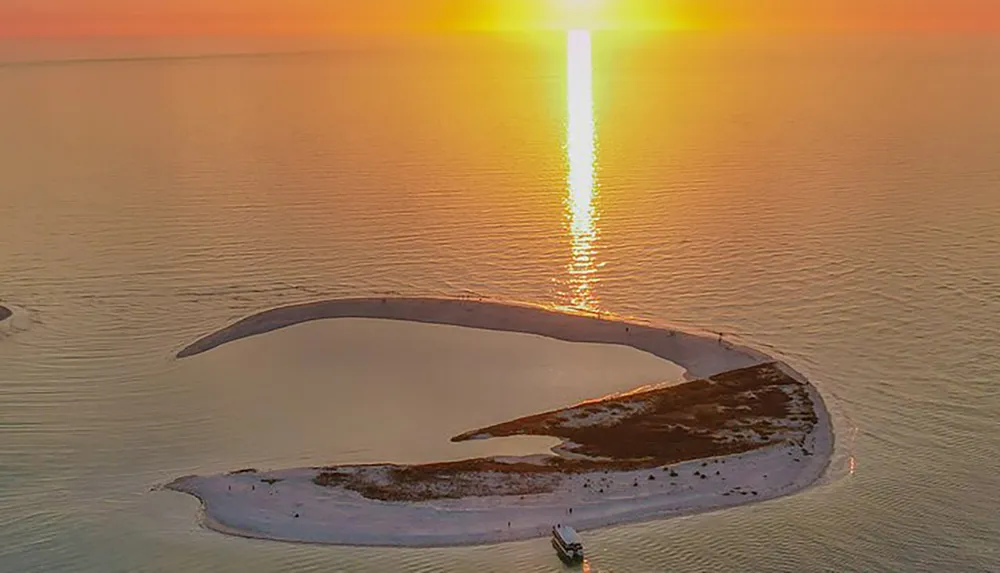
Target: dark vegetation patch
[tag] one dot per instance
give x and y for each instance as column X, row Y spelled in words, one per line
column 731, row 413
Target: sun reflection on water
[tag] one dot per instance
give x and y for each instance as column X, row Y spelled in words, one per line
column 582, row 188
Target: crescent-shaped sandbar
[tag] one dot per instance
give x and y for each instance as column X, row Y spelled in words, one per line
column 744, row 427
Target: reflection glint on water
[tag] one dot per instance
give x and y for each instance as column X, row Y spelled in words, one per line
column 581, row 184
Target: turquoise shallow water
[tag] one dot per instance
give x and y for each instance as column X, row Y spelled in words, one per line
column 834, row 202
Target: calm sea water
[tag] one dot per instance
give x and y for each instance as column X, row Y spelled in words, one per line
column 835, row 200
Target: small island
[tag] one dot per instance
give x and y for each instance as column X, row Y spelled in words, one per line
column 5, row 313
column 743, row 427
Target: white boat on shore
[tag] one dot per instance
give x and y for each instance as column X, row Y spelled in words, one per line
column 567, row 543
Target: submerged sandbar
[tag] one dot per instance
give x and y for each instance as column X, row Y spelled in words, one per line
column 744, row 427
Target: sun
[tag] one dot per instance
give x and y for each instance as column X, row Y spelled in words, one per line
column 571, row 14
column 585, row 14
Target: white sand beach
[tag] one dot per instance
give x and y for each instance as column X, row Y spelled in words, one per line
column 288, row 505
column 699, row 353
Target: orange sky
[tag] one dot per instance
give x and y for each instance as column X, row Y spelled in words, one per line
column 207, row 17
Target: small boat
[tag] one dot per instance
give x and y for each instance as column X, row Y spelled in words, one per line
column 567, row 543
